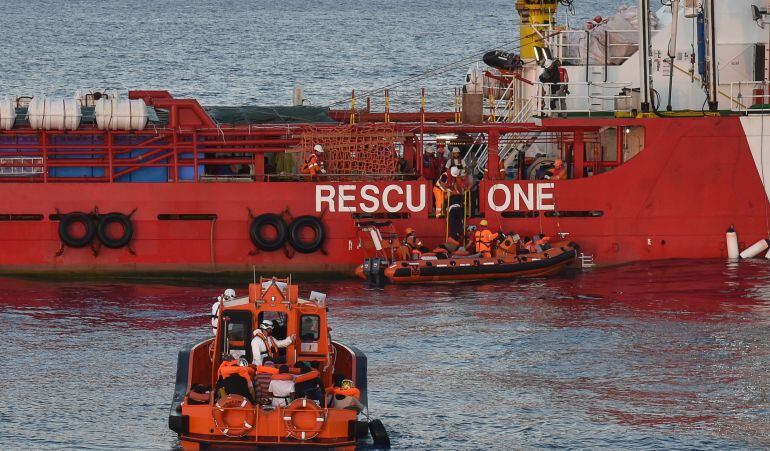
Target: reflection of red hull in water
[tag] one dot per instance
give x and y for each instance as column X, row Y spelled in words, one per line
column 469, row 268
column 692, row 179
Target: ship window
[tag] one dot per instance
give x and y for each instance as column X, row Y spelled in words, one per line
column 187, row 217
column 575, row 214
column 310, row 327
column 12, row 217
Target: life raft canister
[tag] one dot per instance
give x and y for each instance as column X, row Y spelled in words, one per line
column 234, row 416
column 257, row 231
column 66, row 221
column 300, row 243
column 102, row 230
column 304, row 419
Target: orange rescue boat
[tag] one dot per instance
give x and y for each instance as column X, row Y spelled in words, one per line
column 209, row 411
column 455, row 268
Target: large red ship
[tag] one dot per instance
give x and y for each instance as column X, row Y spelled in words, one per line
column 155, row 183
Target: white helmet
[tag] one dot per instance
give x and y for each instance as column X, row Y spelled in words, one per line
column 455, row 171
column 266, row 324
column 229, row 294
column 455, row 149
column 318, row 148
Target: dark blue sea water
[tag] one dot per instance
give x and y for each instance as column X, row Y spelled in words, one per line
column 667, row 355
column 237, row 52
column 670, row 355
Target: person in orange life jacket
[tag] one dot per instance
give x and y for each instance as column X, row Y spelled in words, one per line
column 312, row 388
column 347, row 396
column 282, row 387
column 265, row 347
column 313, row 165
column 236, row 378
column 443, row 187
column 557, row 172
column 413, row 243
column 484, row 239
column 455, row 159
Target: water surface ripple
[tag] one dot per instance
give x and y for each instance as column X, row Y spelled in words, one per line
column 669, row 355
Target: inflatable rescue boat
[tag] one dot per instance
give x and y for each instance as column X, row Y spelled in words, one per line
column 433, row 268
column 224, row 399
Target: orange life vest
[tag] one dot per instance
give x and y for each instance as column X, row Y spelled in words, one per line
column 228, row 368
column 484, row 239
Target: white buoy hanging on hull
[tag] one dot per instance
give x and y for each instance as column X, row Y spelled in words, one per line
column 731, row 238
column 755, row 249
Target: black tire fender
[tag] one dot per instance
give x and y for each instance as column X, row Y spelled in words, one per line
column 263, row 220
column 306, row 247
column 379, row 434
column 115, row 218
column 66, row 220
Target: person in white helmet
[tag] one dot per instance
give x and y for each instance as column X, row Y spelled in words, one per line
column 228, row 295
column 313, row 164
column 455, row 160
column 265, row 347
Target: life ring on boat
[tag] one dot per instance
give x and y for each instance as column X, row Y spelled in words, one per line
column 256, row 230
column 234, row 416
column 295, row 234
column 115, row 218
column 65, row 234
column 304, row 419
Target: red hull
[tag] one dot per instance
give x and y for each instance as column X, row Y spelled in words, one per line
column 675, row 199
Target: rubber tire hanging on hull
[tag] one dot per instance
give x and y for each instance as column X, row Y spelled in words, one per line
column 259, row 240
column 112, row 218
column 295, row 238
column 66, row 220
column 379, row 434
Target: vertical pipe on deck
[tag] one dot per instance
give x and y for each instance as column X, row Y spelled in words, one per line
column 619, row 146
column 493, row 156
column 578, row 155
column 44, row 148
column 110, row 142
column 195, row 154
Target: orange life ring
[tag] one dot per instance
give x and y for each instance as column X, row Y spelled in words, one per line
column 234, row 416
column 304, row 419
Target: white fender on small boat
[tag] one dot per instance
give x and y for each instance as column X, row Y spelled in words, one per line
column 755, row 249
column 732, row 243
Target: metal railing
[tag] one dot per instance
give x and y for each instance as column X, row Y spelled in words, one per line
column 750, row 96
column 592, row 98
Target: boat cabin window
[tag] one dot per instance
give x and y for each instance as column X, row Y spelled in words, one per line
column 236, row 341
column 310, row 327
column 279, row 323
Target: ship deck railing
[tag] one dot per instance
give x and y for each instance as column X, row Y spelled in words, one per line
column 601, row 98
column 750, row 96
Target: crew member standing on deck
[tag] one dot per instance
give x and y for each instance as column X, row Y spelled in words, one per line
column 313, row 164
column 228, row 295
column 265, row 347
column 455, row 160
column 484, row 239
column 427, row 164
column 440, row 191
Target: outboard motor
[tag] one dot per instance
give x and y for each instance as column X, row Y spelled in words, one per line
column 374, row 270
